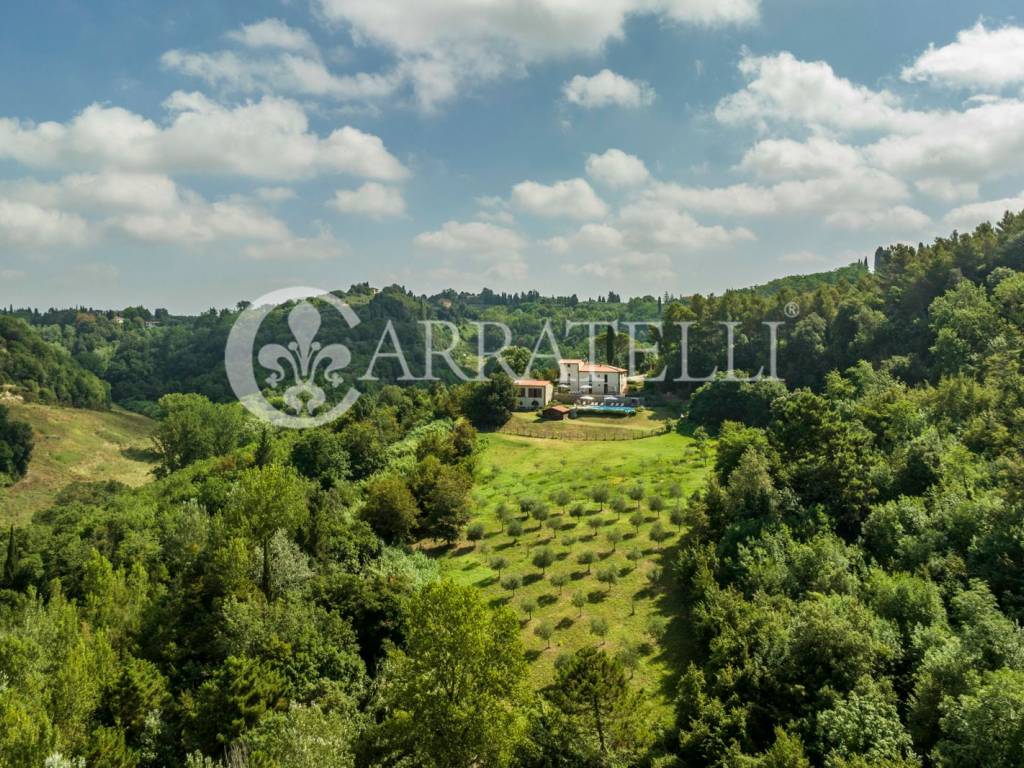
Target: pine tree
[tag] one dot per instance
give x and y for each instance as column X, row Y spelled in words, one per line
column 11, row 563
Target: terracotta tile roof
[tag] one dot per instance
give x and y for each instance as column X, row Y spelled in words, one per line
column 558, row 408
column 601, row 368
column 531, row 382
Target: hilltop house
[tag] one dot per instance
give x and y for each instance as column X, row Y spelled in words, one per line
column 532, row 394
column 578, row 377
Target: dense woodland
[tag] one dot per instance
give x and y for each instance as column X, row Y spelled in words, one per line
column 849, row 578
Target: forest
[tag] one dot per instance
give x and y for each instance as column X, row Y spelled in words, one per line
column 844, row 583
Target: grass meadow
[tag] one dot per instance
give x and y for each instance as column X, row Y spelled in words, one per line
column 571, row 602
column 73, row 444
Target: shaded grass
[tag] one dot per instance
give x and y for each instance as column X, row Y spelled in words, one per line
column 73, row 445
column 518, row 467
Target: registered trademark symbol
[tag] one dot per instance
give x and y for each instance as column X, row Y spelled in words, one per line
column 792, row 309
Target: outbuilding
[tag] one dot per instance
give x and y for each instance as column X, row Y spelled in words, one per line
column 556, row 412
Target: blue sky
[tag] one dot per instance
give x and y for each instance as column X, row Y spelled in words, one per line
column 190, row 155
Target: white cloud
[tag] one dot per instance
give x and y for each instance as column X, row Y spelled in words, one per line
column 946, row 189
column 200, row 222
column 607, row 89
column 265, row 139
column 900, row 218
column 652, row 268
column 145, row 207
column 980, row 58
column 275, row 194
column 24, row 224
column 980, row 141
column 443, row 46
column 474, row 237
column 615, row 168
column 321, row 247
column 967, row 217
column 570, row 199
column 783, row 89
column 372, row 199
column 860, row 188
column 272, row 33
column 654, row 226
column 589, row 238
column 279, row 72
column 494, row 249
column 786, row 158
column 984, row 140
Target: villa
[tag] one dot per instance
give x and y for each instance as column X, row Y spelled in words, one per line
column 578, row 377
column 532, row 394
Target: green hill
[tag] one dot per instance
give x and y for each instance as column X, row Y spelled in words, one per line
column 75, row 445
column 514, row 469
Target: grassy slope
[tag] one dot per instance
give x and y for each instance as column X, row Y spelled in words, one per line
column 513, row 467
column 73, row 444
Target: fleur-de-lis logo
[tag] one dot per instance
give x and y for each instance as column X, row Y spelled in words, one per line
column 306, row 364
column 304, row 355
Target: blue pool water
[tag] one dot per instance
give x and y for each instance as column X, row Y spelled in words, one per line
column 624, row 409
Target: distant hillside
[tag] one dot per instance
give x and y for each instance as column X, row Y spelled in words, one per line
column 75, row 445
column 851, row 273
column 45, row 372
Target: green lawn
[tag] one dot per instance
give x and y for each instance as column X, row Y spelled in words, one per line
column 74, row 444
column 515, row 467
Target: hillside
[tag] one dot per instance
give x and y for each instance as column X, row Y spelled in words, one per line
column 517, row 470
column 73, row 445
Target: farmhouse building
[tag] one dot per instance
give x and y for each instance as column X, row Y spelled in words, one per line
column 532, row 394
column 578, row 377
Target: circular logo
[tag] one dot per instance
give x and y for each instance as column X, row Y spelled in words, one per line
column 298, row 367
column 792, row 310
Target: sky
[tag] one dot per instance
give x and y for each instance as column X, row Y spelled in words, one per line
column 193, row 154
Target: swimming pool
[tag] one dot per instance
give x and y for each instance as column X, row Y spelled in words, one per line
column 625, row 410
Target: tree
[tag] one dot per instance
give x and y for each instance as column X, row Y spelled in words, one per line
column 320, row 456
column 528, row 606
column 591, row 690
column 15, row 447
column 390, row 509
column 499, row 563
column 561, row 497
column 700, row 437
column 636, row 520
column 586, row 558
column 544, row 630
column 264, row 501
column 515, row 530
column 10, row 562
column 599, row 627
column 656, row 504
column 629, row 657
column 608, row 575
column 578, row 601
column 456, row 693
column 658, row 534
column 577, row 511
column 476, row 532
column 504, row 515
column 636, row 493
column 619, row 505
column 614, row 536
column 512, row 583
column 442, row 493
column 543, row 558
column 539, row 512
column 677, row 517
column 558, row 581
column 675, row 492
column 600, row 494
column 490, row 403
